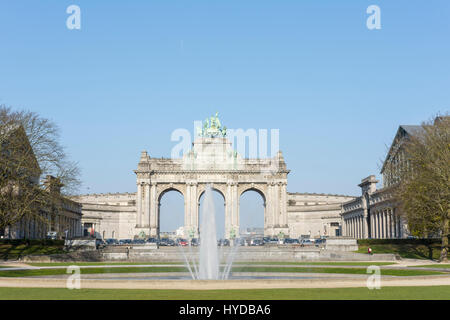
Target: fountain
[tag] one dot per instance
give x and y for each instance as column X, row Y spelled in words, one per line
column 208, row 265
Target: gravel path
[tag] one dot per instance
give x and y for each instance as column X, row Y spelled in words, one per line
column 221, row 285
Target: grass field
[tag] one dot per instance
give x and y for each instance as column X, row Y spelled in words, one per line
column 409, row 251
column 443, row 266
column 387, row 293
column 55, row 264
column 11, row 251
column 100, row 270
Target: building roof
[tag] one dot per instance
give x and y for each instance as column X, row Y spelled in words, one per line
column 403, row 130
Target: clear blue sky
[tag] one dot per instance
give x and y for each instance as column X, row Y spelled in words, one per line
column 137, row 70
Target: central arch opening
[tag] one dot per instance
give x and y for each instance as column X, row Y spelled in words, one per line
column 219, row 206
column 171, row 213
column 251, row 213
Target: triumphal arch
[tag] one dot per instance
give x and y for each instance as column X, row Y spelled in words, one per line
column 211, row 161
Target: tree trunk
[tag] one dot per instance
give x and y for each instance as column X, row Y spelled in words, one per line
column 444, row 243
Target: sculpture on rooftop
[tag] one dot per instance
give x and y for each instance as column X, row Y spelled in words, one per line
column 212, row 128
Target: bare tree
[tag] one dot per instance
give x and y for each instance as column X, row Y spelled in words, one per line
column 43, row 136
column 29, row 150
column 424, row 191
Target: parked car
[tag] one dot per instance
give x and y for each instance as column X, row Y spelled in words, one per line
column 151, row 240
column 291, row 241
column 194, row 242
column 138, row 241
column 165, row 242
column 111, row 242
column 305, row 242
column 257, row 242
column 99, row 243
column 223, row 242
column 182, row 242
column 52, row 235
column 125, row 241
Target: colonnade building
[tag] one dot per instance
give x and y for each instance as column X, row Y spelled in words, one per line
column 376, row 214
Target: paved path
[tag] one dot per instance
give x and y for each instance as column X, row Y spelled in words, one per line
column 221, row 285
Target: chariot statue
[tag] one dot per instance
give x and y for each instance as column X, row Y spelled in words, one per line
column 212, row 128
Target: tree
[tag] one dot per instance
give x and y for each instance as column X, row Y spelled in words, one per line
column 29, row 150
column 43, row 136
column 423, row 192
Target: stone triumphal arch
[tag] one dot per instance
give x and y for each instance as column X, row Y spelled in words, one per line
column 211, row 161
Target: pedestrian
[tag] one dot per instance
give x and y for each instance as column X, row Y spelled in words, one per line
column 369, row 250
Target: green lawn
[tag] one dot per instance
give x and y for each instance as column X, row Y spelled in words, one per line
column 11, row 252
column 100, row 270
column 443, row 266
column 81, row 264
column 386, row 293
column 55, row 264
column 409, row 251
column 350, row 263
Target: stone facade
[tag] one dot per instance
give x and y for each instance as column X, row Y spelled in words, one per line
column 212, row 161
column 375, row 214
column 315, row 215
column 111, row 215
column 64, row 217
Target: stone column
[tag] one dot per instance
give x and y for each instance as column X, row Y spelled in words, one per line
column 146, row 216
column 361, row 227
column 269, row 210
column 372, row 230
column 276, row 201
column 381, row 224
column 394, row 225
column 187, row 210
column 194, row 208
column 228, row 213
column 283, row 205
column 386, row 223
column 154, row 211
column 379, row 229
column 139, row 210
column 353, row 227
column 235, row 204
